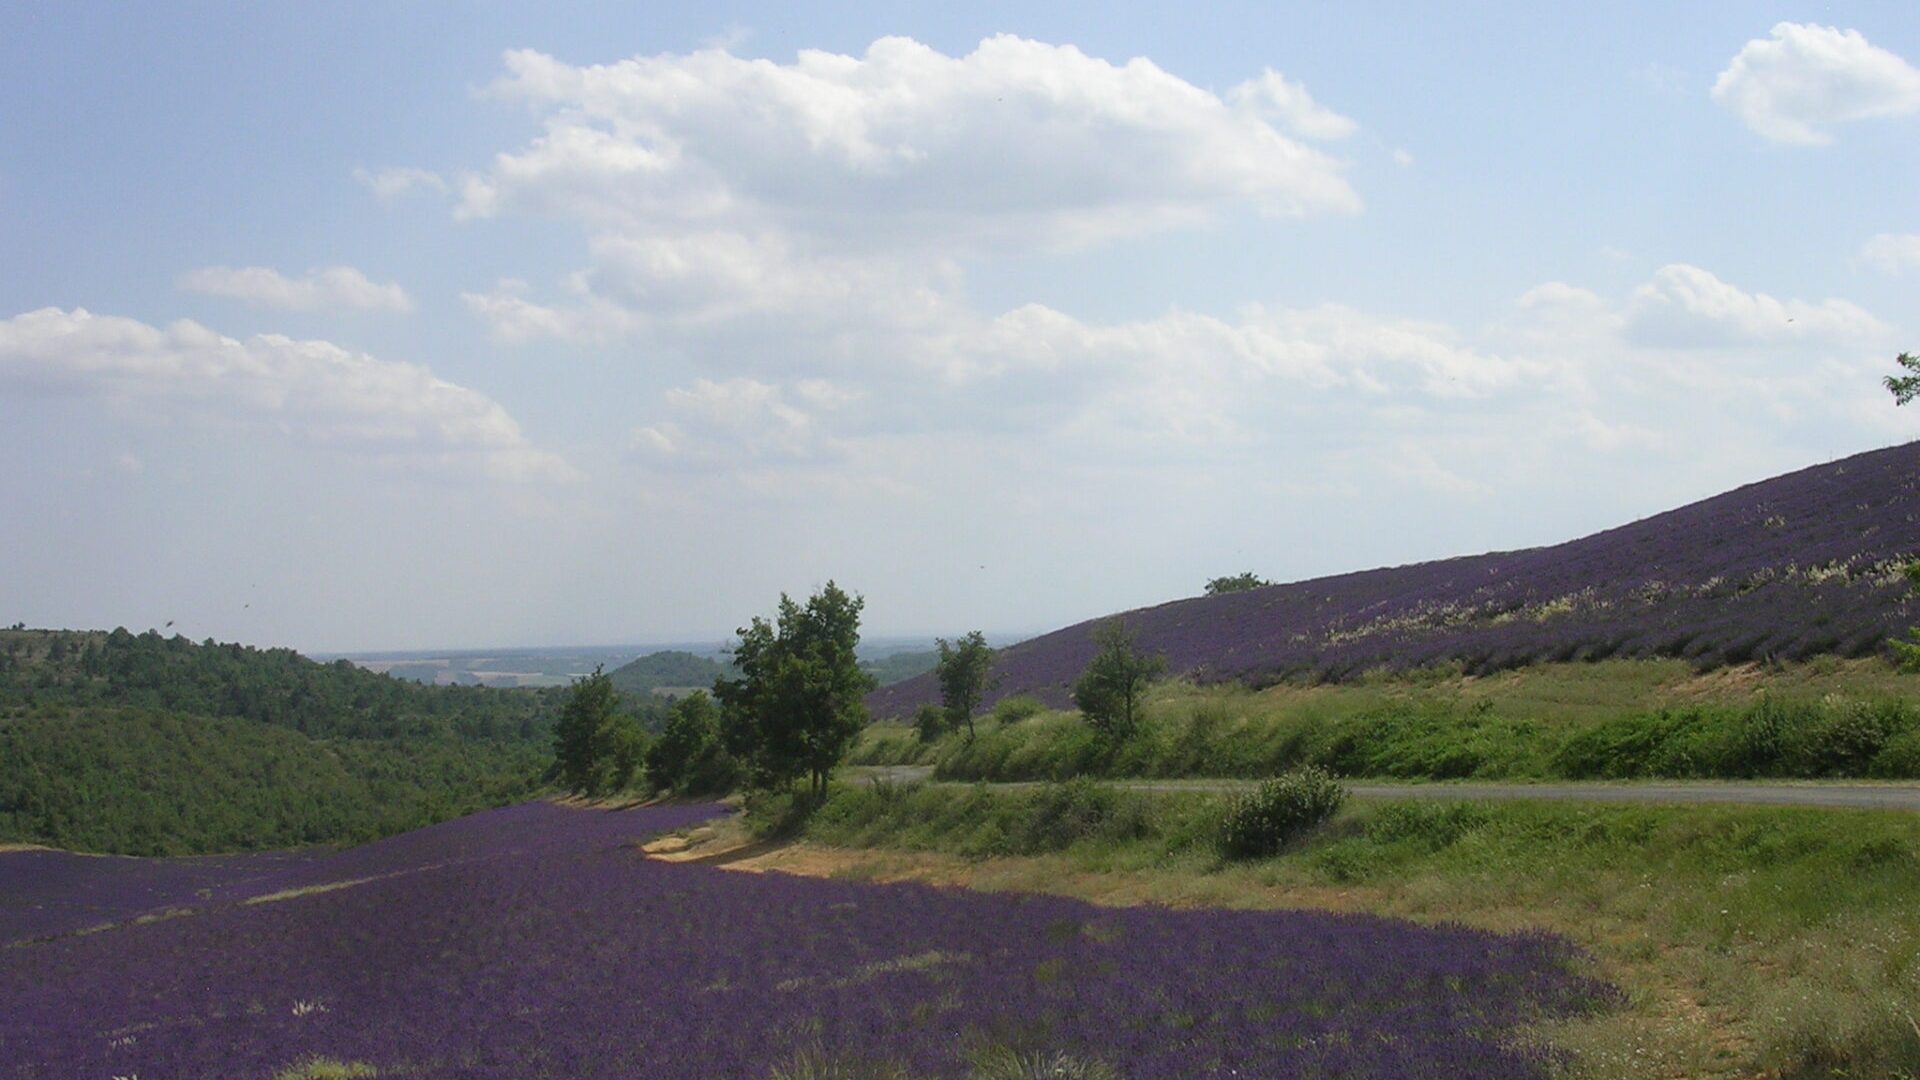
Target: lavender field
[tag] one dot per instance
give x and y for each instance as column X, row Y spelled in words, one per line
column 1799, row 565
column 536, row 941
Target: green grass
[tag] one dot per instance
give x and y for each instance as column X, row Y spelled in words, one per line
column 1614, row 719
column 1749, row 940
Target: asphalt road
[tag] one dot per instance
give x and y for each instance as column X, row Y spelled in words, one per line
column 1845, row 794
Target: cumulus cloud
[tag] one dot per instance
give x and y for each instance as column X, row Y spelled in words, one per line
column 329, row 288
column 1805, row 79
column 1686, row 307
column 1026, row 141
column 313, row 388
column 1893, row 252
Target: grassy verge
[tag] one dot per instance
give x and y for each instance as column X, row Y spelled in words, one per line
column 1750, row 941
column 1614, row 720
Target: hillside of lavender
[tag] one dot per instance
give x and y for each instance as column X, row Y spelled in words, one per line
column 1796, row 566
column 537, row 941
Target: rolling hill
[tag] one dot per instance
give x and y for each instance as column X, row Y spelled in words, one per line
column 148, row 745
column 1803, row 564
column 671, row 669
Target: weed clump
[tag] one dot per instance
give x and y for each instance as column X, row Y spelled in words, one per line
column 1260, row 823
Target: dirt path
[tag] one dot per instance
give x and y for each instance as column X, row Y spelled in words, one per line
column 1846, row 794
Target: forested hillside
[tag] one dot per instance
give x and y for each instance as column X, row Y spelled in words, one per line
column 670, row 669
column 144, row 744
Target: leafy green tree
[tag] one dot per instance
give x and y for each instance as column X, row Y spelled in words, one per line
column 584, row 735
column 689, row 757
column 796, row 707
column 1236, row 583
column 1108, row 693
column 962, row 672
column 1905, row 388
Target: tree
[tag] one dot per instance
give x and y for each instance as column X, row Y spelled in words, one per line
column 1236, row 583
column 962, row 672
column 1905, row 388
column 596, row 748
column 796, row 708
column 1108, row 692
column 689, row 758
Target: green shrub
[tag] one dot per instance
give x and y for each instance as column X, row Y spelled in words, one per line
column 1849, row 738
column 931, row 723
column 1260, row 823
column 1900, row 757
column 1012, row 710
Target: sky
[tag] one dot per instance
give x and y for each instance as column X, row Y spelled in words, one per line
column 373, row 326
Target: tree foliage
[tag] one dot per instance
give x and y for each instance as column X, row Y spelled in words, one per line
column 689, row 758
column 1236, row 583
column 149, row 745
column 796, row 707
column 1905, row 388
column 596, row 747
column 670, row 668
column 1108, row 692
column 962, row 672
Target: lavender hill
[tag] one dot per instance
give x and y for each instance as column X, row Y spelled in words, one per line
column 1802, row 564
column 536, row 941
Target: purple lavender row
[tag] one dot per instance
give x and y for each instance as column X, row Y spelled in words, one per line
column 568, row 955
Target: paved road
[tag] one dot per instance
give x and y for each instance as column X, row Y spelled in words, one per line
column 1901, row 796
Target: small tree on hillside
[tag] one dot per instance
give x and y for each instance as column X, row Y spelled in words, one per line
column 587, row 734
column 1236, row 583
column 1108, row 693
column 962, row 672
column 796, row 707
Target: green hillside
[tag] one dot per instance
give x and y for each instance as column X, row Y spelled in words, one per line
column 670, row 669
column 143, row 744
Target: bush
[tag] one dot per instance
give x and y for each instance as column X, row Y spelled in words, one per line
column 1850, row 737
column 1260, row 823
column 1900, row 757
column 930, row 723
column 1012, row 710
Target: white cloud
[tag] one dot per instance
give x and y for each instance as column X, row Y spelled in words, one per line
column 741, row 422
column 312, row 388
column 1687, row 307
column 1403, row 158
column 1893, row 252
column 330, row 288
column 512, row 318
column 1806, row 78
column 1029, row 142
column 391, row 183
column 1289, row 105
